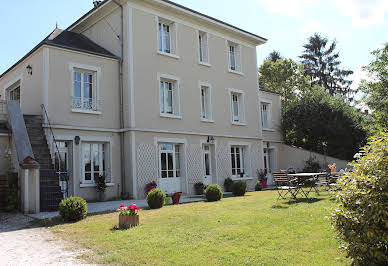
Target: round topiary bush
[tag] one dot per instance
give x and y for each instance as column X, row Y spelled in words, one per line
column 258, row 186
column 361, row 219
column 73, row 209
column 239, row 188
column 213, row 193
column 155, row 198
column 228, row 184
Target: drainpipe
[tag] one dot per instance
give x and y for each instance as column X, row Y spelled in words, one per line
column 121, row 96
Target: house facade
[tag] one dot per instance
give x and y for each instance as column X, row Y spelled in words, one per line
column 145, row 90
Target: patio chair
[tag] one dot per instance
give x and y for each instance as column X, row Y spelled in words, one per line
column 285, row 185
column 332, row 182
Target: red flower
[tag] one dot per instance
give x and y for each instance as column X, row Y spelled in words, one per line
column 122, row 206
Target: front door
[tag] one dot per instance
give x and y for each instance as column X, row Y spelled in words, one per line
column 170, row 167
column 269, row 163
column 207, row 164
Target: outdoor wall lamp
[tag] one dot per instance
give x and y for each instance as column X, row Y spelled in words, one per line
column 77, row 140
column 29, row 69
column 210, row 139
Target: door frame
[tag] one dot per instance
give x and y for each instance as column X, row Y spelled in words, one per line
column 213, row 160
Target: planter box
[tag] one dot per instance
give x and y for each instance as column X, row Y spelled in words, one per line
column 128, row 221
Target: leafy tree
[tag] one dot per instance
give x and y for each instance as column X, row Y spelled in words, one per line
column 323, row 123
column 376, row 90
column 322, row 65
column 274, row 56
column 283, row 76
column 361, row 219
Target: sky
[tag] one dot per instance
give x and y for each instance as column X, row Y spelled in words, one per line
column 358, row 26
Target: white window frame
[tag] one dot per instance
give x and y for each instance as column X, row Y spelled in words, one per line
column 18, row 81
column 237, row 58
column 173, row 152
column 246, row 159
column 14, row 88
column 173, row 37
column 176, row 96
column 241, row 107
column 107, row 156
column 268, row 103
column 203, row 48
column 75, row 67
column 208, row 102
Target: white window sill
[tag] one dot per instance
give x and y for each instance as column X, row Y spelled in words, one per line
column 169, row 55
column 204, row 64
column 207, row 120
column 237, row 178
column 83, row 111
column 171, row 116
column 236, row 72
column 94, row 185
column 269, row 129
column 239, row 123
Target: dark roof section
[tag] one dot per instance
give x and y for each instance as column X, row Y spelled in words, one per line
column 267, row 90
column 68, row 40
column 180, row 6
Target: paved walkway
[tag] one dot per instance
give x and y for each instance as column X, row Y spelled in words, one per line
column 21, row 244
column 111, row 206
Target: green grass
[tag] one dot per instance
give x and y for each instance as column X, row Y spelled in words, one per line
column 251, row 230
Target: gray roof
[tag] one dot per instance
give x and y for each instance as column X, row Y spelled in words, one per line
column 68, row 40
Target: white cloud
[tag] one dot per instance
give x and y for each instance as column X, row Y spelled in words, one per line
column 313, row 26
column 287, row 7
column 364, row 13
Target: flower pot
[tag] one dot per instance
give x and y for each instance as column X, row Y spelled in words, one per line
column 263, row 182
column 333, row 169
column 175, row 199
column 126, row 221
column 167, row 200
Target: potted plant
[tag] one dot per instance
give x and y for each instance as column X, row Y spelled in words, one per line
column 333, row 167
column 199, row 187
column 128, row 216
column 262, row 176
column 241, row 174
column 228, row 184
column 150, row 186
column 101, row 187
column 176, row 197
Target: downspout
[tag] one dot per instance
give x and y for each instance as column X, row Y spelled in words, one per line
column 121, row 96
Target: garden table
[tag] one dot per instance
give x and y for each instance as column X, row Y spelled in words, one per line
column 306, row 182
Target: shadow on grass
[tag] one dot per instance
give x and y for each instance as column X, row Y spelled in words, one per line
column 279, row 207
column 302, row 200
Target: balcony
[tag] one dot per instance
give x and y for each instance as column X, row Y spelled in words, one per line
column 85, row 105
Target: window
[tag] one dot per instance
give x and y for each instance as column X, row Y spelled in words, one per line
column 169, row 97
column 265, row 115
column 84, row 90
column 14, row 94
column 203, row 47
column 206, row 113
column 93, row 162
column 169, row 160
column 166, row 36
column 234, row 57
column 237, row 157
column 237, row 106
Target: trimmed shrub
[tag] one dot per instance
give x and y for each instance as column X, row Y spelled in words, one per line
column 155, row 198
column 312, row 165
column 239, row 188
column 228, row 184
column 73, row 209
column 361, row 219
column 258, row 186
column 213, row 193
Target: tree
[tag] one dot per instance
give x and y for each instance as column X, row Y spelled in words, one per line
column 283, row 76
column 274, row 56
column 323, row 123
column 323, row 66
column 376, row 89
column 361, row 219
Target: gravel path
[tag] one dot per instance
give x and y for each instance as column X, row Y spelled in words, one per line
column 21, row 244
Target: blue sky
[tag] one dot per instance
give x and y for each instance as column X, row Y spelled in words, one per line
column 359, row 26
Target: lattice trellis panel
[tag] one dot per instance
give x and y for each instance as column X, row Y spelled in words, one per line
column 146, row 167
column 256, row 155
column 224, row 168
column 194, row 164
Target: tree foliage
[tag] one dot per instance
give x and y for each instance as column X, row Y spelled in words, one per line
column 321, row 63
column 323, row 123
column 361, row 219
column 274, row 56
column 283, row 76
column 376, row 89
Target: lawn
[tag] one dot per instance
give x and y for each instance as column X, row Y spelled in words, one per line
column 251, row 230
